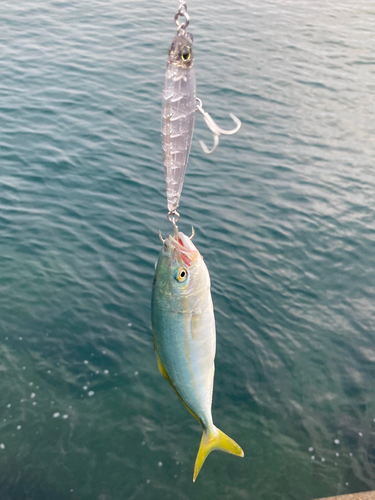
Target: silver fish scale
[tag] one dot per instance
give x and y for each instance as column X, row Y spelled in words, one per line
column 178, row 115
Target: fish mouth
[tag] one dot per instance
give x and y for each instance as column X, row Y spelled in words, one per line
column 183, row 246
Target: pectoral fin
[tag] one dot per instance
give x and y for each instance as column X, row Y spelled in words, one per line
column 195, row 325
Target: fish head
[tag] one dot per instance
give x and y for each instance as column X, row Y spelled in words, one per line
column 181, row 51
column 181, row 275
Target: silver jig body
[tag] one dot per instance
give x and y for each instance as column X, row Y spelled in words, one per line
column 180, row 104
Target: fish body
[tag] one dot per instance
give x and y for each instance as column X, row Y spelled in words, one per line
column 178, row 115
column 183, row 326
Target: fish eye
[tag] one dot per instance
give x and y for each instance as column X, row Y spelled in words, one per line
column 181, row 274
column 185, row 53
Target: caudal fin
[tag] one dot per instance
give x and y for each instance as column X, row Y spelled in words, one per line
column 214, row 439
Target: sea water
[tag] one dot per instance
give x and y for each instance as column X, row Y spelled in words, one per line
column 284, row 214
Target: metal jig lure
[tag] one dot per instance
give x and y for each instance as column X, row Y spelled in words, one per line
column 180, row 104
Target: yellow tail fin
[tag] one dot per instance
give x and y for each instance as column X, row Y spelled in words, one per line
column 214, row 439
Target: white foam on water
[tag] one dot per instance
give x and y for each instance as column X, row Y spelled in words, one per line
column 136, row 373
column 106, row 372
column 34, row 403
column 32, row 395
column 65, row 417
column 85, row 362
column 336, row 441
column 19, row 427
column 56, row 415
column 323, row 459
column 85, row 387
column 312, row 457
column 160, row 464
column 360, row 434
column 337, row 454
column 2, row 446
column 311, row 449
column 9, row 405
column 91, row 393
column 130, row 324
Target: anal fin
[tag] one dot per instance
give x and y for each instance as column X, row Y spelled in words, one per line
column 164, row 372
column 161, row 367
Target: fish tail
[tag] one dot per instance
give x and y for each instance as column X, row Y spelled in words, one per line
column 214, row 439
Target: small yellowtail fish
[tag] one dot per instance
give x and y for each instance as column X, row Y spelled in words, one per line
column 183, row 327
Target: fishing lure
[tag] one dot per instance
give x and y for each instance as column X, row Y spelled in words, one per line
column 180, row 104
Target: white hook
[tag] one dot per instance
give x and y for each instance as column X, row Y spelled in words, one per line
column 215, row 129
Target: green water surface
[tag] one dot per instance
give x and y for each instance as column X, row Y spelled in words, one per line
column 284, row 217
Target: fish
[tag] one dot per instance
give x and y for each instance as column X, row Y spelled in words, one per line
column 178, row 114
column 184, row 334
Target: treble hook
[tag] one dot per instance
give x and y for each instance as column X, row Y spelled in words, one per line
column 215, row 129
